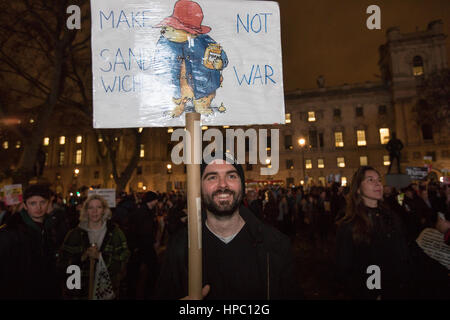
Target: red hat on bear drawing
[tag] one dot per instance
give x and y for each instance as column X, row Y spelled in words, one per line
column 188, row 16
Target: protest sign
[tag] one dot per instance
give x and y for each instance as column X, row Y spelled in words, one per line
column 108, row 194
column 417, row 173
column 153, row 61
column 12, row 194
column 432, row 243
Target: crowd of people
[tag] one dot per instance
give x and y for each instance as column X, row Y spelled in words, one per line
column 132, row 251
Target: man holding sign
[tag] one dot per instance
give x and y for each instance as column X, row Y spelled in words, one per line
column 242, row 257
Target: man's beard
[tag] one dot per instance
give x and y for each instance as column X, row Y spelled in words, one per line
column 222, row 208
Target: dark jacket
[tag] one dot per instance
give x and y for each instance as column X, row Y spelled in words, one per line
column 406, row 271
column 114, row 251
column 142, row 235
column 27, row 260
column 273, row 252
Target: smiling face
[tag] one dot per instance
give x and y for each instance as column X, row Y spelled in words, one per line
column 371, row 188
column 221, row 188
column 36, row 207
column 95, row 210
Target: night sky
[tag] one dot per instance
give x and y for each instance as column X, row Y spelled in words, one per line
column 331, row 38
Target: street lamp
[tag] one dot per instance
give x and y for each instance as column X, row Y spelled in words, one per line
column 302, row 143
column 169, row 168
column 76, row 171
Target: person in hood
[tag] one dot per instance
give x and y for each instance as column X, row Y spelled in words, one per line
column 96, row 238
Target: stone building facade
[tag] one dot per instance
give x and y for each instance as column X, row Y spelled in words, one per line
column 342, row 127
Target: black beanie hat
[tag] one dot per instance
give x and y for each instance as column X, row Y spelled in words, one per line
column 41, row 190
column 149, row 197
column 228, row 158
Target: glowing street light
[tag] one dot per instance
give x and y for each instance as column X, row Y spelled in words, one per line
column 302, row 143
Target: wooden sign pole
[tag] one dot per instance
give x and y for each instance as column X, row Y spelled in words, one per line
column 194, row 204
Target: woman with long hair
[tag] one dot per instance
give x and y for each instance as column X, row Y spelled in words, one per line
column 96, row 238
column 374, row 260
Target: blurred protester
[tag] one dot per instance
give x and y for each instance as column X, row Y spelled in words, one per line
column 370, row 234
column 98, row 239
column 143, row 266
column 311, row 214
column 283, row 214
column 270, row 209
column 27, row 259
column 427, row 214
column 126, row 205
column 4, row 213
column 324, row 221
column 255, row 203
column 176, row 216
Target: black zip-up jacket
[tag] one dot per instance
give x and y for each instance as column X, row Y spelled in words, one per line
column 27, row 260
column 274, row 255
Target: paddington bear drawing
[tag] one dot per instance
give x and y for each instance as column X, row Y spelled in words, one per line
column 189, row 60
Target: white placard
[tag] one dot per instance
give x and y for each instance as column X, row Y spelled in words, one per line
column 108, row 194
column 227, row 66
column 12, row 194
column 432, row 243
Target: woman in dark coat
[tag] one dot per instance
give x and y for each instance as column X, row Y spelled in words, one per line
column 374, row 260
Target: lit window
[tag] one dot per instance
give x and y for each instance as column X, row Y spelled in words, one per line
column 78, row 156
column 343, row 181
column 338, row 139
column 62, row 140
column 386, row 160
column 79, row 139
column 18, row 144
column 361, row 136
column 341, row 162
column 363, row 161
column 142, row 153
column 288, row 118
column 140, row 185
column 417, row 66
column 5, row 145
column 384, row 135
column 308, row 164
column 311, row 116
column 140, row 130
column 46, row 141
column 320, row 164
column 61, row 158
